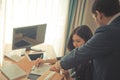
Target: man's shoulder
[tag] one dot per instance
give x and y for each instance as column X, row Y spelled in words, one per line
column 108, row 28
column 114, row 25
column 102, row 28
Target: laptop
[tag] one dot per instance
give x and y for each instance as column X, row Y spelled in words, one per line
column 12, row 71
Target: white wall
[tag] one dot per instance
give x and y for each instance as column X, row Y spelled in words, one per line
column 1, row 31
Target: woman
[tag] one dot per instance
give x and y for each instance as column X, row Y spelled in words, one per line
column 79, row 36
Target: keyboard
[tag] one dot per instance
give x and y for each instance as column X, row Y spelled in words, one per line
column 13, row 57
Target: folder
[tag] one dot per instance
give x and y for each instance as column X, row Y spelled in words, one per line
column 12, row 71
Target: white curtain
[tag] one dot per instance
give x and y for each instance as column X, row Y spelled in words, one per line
column 1, row 31
column 87, row 17
column 31, row 12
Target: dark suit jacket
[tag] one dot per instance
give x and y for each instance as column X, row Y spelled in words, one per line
column 103, row 48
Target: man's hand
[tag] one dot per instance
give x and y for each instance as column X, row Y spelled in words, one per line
column 56, row 67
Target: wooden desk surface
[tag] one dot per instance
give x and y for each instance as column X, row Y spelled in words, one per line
column 26, row 65
column 56, row 76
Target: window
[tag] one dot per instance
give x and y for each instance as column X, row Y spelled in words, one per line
column 31, row 12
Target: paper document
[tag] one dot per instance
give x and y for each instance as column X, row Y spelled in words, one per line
column 40, row 70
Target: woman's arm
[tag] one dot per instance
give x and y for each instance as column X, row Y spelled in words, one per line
column 51, row 61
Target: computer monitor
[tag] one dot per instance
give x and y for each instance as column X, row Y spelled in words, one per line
column 28, row 36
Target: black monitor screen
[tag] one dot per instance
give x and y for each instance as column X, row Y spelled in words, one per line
column 28, row 36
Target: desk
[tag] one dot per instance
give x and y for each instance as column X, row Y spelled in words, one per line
column 26, row 65
column 57, row 76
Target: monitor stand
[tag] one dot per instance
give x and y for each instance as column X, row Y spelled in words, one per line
column 29, row 49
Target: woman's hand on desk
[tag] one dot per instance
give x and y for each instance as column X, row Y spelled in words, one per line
column 39, row 62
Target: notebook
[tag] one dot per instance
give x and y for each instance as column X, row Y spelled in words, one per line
column 40, row 70
column 12, row 71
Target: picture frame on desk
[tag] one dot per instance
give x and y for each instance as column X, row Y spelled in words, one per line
column 34, row 56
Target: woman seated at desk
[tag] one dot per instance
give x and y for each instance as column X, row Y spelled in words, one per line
column 79, row 36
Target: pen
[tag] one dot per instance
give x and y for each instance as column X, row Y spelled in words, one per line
column 33, row 68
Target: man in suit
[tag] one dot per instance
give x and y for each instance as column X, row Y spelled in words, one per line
column 103, row 48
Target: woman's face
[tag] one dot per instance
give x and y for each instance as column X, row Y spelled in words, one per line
column 77, row 41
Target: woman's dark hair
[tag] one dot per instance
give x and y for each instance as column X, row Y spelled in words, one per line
column 107, row 7
column 82, row 31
